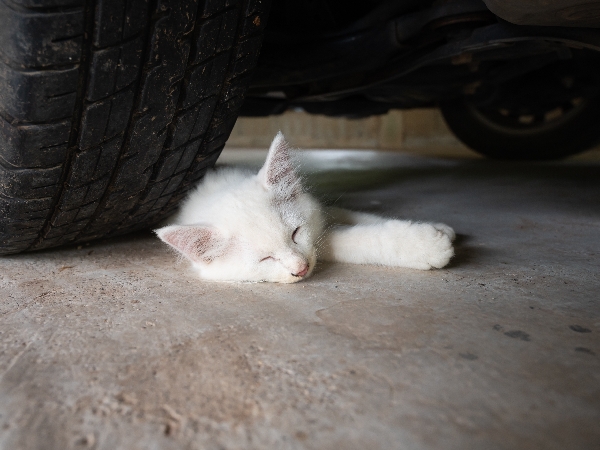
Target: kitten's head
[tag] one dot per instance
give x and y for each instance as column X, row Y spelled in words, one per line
column 241, row 227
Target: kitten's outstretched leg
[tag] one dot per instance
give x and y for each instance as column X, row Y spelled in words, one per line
column 369, row 239
column 341, row 216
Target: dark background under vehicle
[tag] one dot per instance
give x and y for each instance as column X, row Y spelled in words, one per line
column 508, row 91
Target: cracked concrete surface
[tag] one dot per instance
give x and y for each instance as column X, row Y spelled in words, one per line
column 115, row 345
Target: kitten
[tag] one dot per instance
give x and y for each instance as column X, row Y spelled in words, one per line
column 240, row 226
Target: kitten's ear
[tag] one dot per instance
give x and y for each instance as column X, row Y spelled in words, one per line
column 278, row 171
column 196, row 242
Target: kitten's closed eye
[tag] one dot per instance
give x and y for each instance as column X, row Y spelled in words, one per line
column 266, row 258
column 294, row 235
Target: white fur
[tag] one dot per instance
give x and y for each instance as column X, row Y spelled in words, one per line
column 238, row 226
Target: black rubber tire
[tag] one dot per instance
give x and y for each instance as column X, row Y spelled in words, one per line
column 110, row 110
column 577, row 131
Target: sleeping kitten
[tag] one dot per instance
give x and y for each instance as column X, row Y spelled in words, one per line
column 240, row 226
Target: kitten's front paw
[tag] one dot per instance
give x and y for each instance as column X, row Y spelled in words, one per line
column 448, row 231
column 433, row 246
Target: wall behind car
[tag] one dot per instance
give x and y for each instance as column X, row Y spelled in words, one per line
column 419, row 130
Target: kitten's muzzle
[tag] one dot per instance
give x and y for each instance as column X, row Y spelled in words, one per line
column 302, row 273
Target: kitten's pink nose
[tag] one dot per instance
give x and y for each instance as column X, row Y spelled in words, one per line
column 302, row 272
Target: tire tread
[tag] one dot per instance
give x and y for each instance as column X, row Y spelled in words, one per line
column 152, row 98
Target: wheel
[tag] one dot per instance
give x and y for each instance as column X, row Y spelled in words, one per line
column 532, row 119
column 110, row 110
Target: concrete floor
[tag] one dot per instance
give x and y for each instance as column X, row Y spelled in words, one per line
column 116, row 345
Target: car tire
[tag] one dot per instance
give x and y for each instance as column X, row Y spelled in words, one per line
column 506, row 137
column 110, row 110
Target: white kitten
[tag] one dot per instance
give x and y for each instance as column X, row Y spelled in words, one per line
column 240, row 226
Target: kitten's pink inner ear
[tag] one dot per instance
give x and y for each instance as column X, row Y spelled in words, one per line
column 278, row 170
column 198, row 243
